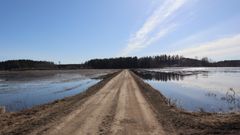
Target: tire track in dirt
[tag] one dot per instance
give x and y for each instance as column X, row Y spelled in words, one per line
column 106, row 124
column 134, row 115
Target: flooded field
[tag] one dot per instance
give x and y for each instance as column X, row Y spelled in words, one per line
column 198, row 89
column 22, row 90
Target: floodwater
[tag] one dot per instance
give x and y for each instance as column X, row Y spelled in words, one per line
column 198, row 89
column 16, row 95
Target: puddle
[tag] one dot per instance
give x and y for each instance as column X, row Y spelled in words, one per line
column 198, row 89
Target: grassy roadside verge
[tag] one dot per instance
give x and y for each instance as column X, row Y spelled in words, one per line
column 177, row 121
column 42, row 117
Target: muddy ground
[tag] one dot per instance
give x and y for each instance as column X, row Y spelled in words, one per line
column 120, row 104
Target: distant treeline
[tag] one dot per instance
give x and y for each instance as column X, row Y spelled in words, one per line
column 143, row 62
column 134, row 62
column 227, row 63
column 70, row 66
column 26, row 65
column 156, row 62
column 120, row 63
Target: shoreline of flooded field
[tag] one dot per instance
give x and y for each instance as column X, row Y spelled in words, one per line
column 24, row 90
column 197, row 89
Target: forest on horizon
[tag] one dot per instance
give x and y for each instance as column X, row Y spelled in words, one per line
column 120, row 63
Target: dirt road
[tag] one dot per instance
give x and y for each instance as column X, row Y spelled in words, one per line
column 117, row 108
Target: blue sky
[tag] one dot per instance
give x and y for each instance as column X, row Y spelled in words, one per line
column 78, row 30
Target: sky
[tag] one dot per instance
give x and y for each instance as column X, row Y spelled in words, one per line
column 78, row 30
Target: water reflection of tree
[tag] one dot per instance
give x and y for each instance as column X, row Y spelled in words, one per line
column 160, row 76
column 231, row 98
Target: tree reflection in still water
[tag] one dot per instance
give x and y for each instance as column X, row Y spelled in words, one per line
column 159, row 76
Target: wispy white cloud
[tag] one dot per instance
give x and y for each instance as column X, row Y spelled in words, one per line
column 147, row 34
column 219, row 30
column 219, row 48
